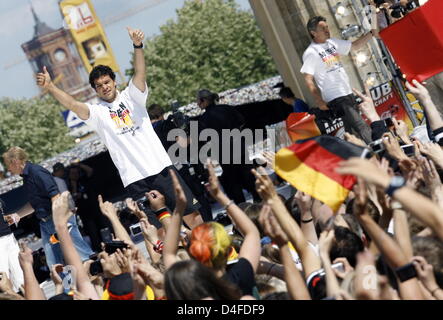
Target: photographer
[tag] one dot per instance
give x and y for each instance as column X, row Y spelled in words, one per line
column 235, row 177
column 162, row 127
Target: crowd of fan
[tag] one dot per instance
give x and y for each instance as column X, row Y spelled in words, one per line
column 279, row 248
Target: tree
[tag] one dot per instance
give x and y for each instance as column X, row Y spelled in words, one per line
column 213, row 45
column 35, row 125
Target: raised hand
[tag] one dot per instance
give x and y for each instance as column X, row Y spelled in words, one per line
column 25, row 256
column 136, row 35
column 60, row 209
column 180, row 197
column 213, row 185
column 55, row 277
column 367, row 106
column 271, row 226
column 401, row 129
column 149, row 231
column 425, row 273
column 430, row 174
column 156, row 200
column 432, row 150
column 11, row 218
column 263, row 184
column 418, row 90
column 43, row 78
column 326, row 240
column 107, row 208
column 366, row 170
column 353, row 139
column 361, row 198
column 5, row 283
column 133, row 206
column 304, row 201
column 393, row 147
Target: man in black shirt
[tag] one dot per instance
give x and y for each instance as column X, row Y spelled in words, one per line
column 41, row 191
column 235, row 177
column 162, row 127
column 9, row 251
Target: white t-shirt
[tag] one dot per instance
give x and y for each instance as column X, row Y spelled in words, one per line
column 322, row 60
column 125, row 128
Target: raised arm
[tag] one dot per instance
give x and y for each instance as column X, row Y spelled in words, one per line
column 172, row 237
column 32, row 288
column 363, row 40
column 265, row 188
column 250, row 249
column 332, row 286
column 304, row 202
column 109, row 211
column 388, row 247
column 61, row 215
column 44, row 81
column 422, row 94
column 294, row 281
column 418, row 205
column 139, row 78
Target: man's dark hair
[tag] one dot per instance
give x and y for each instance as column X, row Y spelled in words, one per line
column 155, row 111
column 100, row 71
column 205, row 94
column 347, row 244
column 286, row 92
column 313, row 23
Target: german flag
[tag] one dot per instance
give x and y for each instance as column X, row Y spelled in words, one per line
column 302, row 125
column 309, row 165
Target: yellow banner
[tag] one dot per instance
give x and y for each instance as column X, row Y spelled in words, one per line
column 88, row 34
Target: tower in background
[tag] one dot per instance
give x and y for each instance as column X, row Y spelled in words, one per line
column 54, row 48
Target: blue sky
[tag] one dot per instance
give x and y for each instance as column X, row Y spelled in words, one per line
column 16, row 27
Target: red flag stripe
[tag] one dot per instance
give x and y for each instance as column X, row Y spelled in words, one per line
column 316, row 157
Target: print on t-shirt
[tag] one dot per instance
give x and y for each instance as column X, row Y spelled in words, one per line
column 331, row 58
column 122, row 119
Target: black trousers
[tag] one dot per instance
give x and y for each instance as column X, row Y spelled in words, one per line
column 237, row 177
column 346, row 107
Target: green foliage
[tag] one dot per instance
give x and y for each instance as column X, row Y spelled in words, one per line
column 212, row 44
column 35, row 125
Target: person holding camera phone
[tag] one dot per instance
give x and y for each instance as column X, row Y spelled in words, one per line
column 326, row 77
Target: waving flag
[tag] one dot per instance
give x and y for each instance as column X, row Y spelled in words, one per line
column 309, row 165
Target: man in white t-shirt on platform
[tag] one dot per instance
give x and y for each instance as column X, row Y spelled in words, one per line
column 122, row 122
column 326, row 78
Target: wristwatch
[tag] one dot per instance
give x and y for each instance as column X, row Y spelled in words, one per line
column 396, row 183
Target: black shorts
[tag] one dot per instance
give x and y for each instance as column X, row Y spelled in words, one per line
column 162, row 182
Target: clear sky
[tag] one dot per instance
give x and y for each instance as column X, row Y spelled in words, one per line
column 16, row 27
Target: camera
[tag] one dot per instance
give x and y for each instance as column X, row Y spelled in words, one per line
column 377, row 146
column 112, row 246
column 409, row 150
column 388, row 122
column 143, row 203
column 178, row 118
column 95, row 268
column 135, row 229
column 399, row 11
